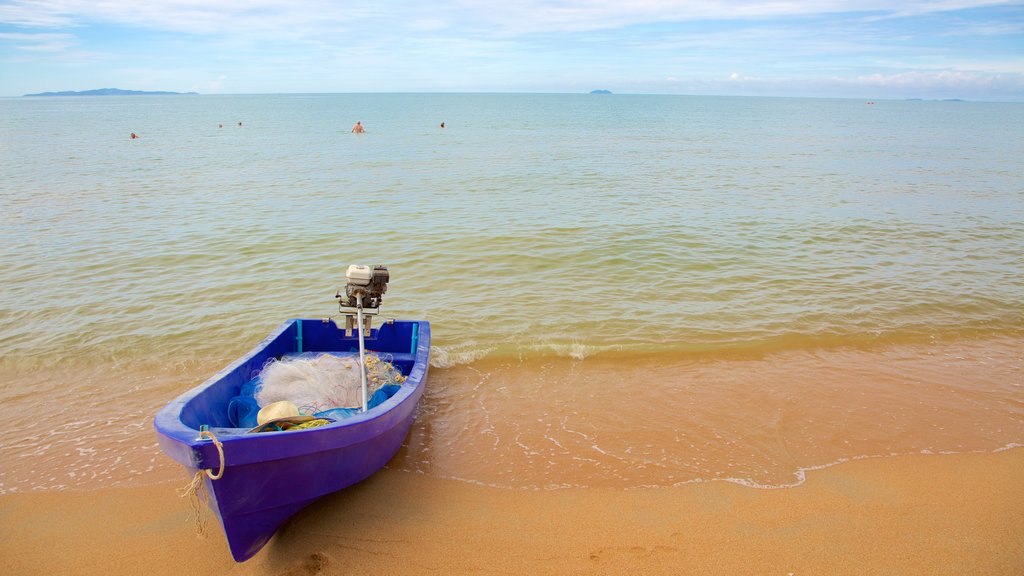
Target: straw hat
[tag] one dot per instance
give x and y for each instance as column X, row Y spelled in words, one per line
column 275, row 411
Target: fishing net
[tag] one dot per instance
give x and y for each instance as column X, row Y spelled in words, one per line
column 323, row 381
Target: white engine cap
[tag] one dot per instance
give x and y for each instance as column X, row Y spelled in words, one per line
column 358, row 275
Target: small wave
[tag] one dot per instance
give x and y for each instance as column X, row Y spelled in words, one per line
column 800, row 475
column 1009, row 446
column 470, row 352
column 450, row 352
column 451, row 356
column 575, row 349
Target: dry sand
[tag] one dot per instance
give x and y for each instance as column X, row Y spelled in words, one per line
column 921, row 514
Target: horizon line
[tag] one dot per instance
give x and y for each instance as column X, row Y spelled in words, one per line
column 141, row 93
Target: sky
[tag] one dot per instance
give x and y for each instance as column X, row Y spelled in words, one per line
column 875, row 49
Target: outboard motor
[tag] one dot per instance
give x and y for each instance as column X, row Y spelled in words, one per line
column 364, row 290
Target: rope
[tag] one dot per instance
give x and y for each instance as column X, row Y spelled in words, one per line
column 196, row 494
column 196, row 489
column 220, row 452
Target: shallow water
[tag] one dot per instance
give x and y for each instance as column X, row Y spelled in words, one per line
column 624, row 291
column 664, row 420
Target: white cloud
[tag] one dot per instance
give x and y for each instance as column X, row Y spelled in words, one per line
column 483, row 45
column 24, row 14
column 55, row 42
column 191, row 16
column 930, row 81
column 509, row 17
column 529, row 16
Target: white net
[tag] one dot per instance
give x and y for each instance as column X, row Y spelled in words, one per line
column 323, row 381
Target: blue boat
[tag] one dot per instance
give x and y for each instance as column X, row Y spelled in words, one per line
column 256, row 481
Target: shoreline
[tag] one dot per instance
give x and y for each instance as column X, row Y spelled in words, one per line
column 757, row 421
column 912, row 514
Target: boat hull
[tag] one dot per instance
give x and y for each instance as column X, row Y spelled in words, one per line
column 268, row 477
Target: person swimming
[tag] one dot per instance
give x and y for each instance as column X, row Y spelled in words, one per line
column 358, row 128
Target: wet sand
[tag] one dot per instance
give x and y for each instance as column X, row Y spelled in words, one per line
column 617, row 422
column 917, row 514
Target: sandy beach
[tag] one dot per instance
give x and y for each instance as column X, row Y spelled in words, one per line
column 917, row 514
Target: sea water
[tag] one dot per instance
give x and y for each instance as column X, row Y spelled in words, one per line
column 624, row 290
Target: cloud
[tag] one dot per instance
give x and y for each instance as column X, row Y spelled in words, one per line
column 513, row 17
column 944, row 80
column 519, row 17
column 189, row 16
column 551, row 45
column 55, row 42
column 912, row 84
column 24, row 14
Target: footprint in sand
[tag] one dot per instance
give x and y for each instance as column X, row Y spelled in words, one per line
column 314, row 564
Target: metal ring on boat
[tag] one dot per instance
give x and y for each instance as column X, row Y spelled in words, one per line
column 220, row 452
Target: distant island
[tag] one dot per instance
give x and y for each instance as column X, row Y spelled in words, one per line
column 110, row 92
column 600, row 91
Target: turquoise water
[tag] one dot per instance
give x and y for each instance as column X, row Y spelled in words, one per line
column 538, row 227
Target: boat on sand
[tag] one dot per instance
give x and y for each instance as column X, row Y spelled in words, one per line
column 257, row 480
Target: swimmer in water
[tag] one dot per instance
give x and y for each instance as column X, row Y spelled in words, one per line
column 358, row 128
column 134, row 135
